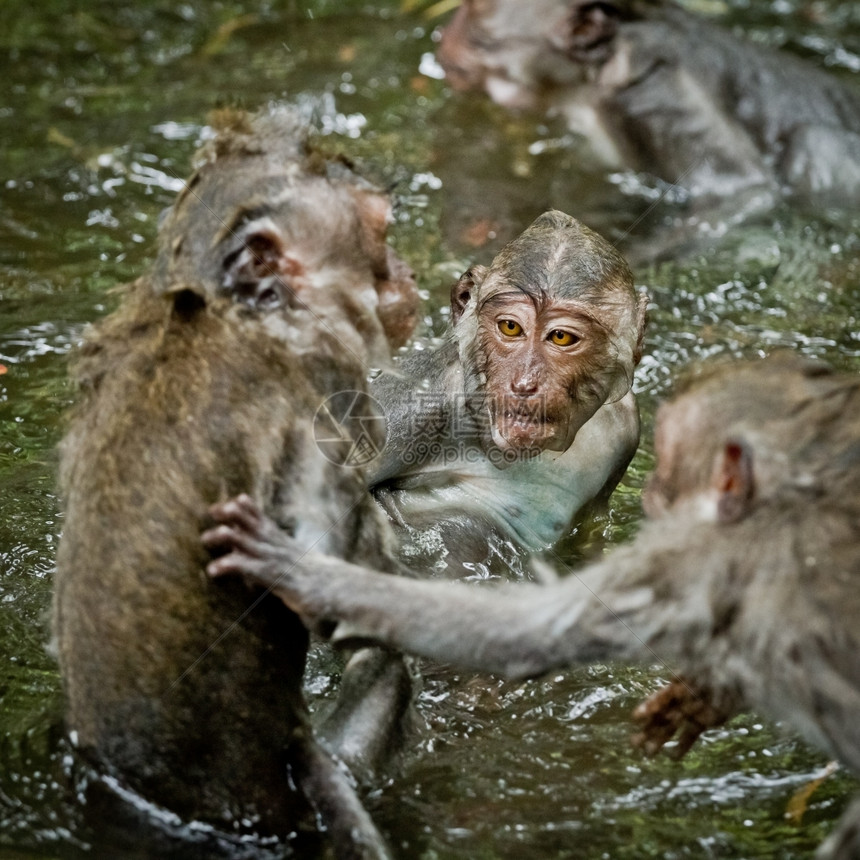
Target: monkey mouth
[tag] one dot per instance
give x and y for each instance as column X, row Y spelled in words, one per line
column 509, row 93
column 523, row 428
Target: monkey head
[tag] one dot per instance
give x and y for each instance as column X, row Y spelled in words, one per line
column 501, row 48
column 525, row 56
column 726, row 441
column 547, row 334
column 289, row 234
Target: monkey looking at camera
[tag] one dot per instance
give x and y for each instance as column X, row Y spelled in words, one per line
column 744, row 578
column 525, row 414
column 273, row 288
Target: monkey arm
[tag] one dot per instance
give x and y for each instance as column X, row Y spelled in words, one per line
column 413, row 398
column 735, row 613
column 607, row 611
column 466, row 626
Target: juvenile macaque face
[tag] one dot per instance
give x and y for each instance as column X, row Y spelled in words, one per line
column 548, row 334
column 538, row 390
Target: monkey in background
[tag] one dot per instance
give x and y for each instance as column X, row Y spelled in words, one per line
column 744, row 577
column 656, row 88
column 525, row 415
column 273, row 288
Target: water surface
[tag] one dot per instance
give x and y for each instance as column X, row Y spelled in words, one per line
column 101, row 107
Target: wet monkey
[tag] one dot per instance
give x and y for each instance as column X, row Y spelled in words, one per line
column 273, row 288
column 525, row 414
column 744, row 577
column 656, row 87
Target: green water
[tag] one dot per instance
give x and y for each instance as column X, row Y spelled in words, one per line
column 101, row 106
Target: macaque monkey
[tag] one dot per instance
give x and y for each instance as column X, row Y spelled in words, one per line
column 525, row 414
column 273, row 288
column 744, row 578
column 659, row 89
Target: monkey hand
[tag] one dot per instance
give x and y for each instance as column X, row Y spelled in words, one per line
column 252, row 546
column 680, row 709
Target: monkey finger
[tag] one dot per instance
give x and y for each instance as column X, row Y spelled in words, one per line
column 241, row 510
column 688, row 736
column 236, row 564
column 217, row 537
column 258, row 573
column 229, row 537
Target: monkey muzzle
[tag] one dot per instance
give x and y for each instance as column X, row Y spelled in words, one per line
column 525, row 425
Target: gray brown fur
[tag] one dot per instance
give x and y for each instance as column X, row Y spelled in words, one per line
column 192, row 391
column 745, row 579
column 661, row 89
column 443, row 467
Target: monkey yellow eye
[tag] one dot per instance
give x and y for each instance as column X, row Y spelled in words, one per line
column 562, row 338
column 509, row 328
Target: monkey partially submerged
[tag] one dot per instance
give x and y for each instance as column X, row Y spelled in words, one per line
column 273, row 288
column 657, row 88
column 525, row 414
column 745, row 578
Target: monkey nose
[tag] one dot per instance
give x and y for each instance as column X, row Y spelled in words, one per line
column 524, row 387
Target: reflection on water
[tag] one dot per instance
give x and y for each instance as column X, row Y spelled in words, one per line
column 102, row 108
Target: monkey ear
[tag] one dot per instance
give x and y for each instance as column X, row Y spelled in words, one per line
column 591, row 29
column 734, row 481
column 260, row 273
column 461, row 292
column 374, row 209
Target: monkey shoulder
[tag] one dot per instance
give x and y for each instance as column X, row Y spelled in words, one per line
column 415, row 399
column 767, row 116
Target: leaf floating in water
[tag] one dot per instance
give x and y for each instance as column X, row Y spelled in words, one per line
column 347, row 53
column 419, row 85
column 56, row 136
column 222, row 35
column 800, row 799
column 432, row 11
